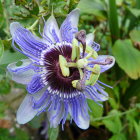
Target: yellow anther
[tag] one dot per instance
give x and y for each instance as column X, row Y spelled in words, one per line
column 94, row 75
column 63, row 66
column 74, row 49
column 94, row 54
column 74, row 83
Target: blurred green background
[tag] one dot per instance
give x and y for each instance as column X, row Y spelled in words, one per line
column 117, row 30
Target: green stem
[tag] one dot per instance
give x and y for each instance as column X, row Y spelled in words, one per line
column 89, row 55
column 114, row 115
column 113, row 21
column 71, row 64
column 34, row 25
column 138, row 4
column 9, row 39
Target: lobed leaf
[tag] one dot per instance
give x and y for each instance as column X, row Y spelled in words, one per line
column 127, row 57
column 135, row 35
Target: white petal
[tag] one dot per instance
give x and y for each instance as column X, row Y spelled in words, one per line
column 69, row 26
column 54, row 121
column 21, row 74
column 13, row 27
column 102, row 58
column 92, row 93
column 80, row 120
column 51, row 30
column 25, row 112
column 89, row 39
column 73, row 17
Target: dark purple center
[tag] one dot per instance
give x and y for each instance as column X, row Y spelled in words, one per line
column 54, row 77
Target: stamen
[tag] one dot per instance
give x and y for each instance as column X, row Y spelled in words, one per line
column 63, row 66
column 92, row 54
column 94, row 75
column 81, row 63
column 107, row 62
column 94, row 70
column 74, row 49
column 80, row 84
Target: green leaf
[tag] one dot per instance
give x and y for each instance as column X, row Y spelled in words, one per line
column 135, row 35
column 132, row 91
column 130, row 117
column 21, row 134
column 1, row 14
column 137, row 129
column 135, row 12
column 113, row 103
column 114, row 99
column 138, row 4
column 4, row 86
column 35, row 9
column 1, row 48
column 3, row 107
column 118, row 137
column 113, row 124
column 21, row 2
column 94, row 7
column 127, row 57
column 113, row 20
column 119, row 2
column 96, row 110
column 9, row 57
column 36, row 121
column 53, row 133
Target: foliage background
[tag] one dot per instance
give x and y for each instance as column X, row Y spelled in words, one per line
column 117, row 30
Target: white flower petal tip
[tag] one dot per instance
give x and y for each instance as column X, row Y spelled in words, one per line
column 76, row 10
column 74, row 15
column 83, row 124
column 23, row 71
column 51, row 29
column 55, row 121
column 112, row 58
column 89, row 39
column 111, row 64
column 25, row 112
column 108, row 60
column 69, row 26
column 13, row 27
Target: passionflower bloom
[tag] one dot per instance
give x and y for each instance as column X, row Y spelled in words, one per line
column 61, row 71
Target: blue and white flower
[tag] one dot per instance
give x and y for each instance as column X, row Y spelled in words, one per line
column 61, row 71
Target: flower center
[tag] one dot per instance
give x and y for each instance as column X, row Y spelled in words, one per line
column 57, row 81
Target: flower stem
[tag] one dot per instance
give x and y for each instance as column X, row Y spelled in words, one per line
column 114, row 115
column 33, row 25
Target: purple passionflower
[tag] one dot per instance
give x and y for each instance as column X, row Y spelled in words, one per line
column 58, row 80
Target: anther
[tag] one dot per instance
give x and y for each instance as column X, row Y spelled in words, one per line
column 63, row 66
